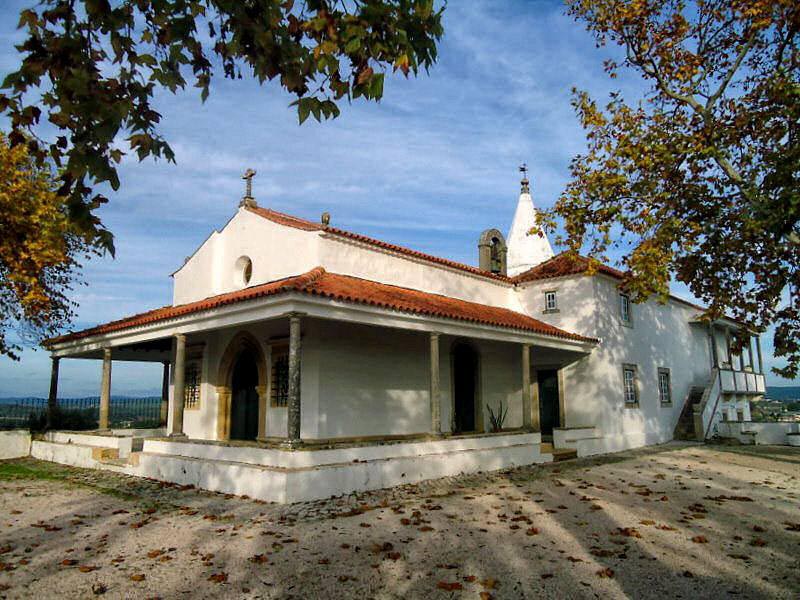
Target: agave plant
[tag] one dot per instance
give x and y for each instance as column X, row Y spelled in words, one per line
column 497, row 419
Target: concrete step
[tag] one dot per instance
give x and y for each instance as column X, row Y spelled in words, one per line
column 559, row 454
column 104, row 454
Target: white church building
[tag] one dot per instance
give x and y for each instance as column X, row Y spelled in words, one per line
column 303, row 361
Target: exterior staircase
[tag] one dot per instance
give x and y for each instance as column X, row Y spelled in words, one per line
column 685, row 429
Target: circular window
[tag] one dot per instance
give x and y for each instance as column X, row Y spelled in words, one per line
column 244, row 270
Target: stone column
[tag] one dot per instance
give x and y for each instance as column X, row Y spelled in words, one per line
column 178, row 386
column 264, row 397
column 436, row 395
column 758, row 350
column 728, row 346
column 262, row 412
column 52, row 398
column 105, row 390
column 741, row 358
column 536, row 425
column 527, row 400
column 293, row 412
column 713, row 340
column 164, row 395
column 750, row 353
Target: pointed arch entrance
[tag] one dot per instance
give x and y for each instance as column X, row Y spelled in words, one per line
column 242, row 390
column 466, row 401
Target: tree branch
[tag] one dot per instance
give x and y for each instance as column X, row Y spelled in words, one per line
column 731, row 72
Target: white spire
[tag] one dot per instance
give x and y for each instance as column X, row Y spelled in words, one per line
column 526, row 249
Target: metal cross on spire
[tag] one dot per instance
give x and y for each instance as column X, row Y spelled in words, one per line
column 525, row 183
column 248, row 199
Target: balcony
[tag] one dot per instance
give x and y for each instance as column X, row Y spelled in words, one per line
column 741, row 382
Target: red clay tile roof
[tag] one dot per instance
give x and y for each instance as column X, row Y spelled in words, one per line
column 562, row 265
column 296, row 222
column 344, row 288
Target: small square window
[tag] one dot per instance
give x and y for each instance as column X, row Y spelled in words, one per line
column 550, row 302
column 625, row 308
column 630, row 385
column 664, row 387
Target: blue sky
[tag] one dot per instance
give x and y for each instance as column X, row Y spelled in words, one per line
column 430, row 166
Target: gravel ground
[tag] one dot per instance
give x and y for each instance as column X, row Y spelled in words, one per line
column 677, row 521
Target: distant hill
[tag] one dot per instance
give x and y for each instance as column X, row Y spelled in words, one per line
column 783, row 393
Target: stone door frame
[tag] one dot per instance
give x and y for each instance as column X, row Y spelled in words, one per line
column 243, row 341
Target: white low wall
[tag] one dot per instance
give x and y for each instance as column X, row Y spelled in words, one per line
column 569, row 437
column 15, row 443
column 293, row 459
column 125, row 444
column 607, row 444
column 341, row 474
column 66, row 454
column 765, row 432
column 293, row 476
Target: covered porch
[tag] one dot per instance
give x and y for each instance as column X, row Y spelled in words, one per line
column 312, row 370
column 444, row 388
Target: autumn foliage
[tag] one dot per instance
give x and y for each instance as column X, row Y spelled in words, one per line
column 700, row 178
column 39, row 247
column 92, row 69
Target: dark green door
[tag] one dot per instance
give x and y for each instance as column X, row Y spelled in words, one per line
column 244, row 404
column 549, row 416
column 465, row 380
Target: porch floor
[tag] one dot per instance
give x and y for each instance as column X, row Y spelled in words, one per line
column 338, row 443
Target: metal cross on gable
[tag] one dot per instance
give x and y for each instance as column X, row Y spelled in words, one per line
column 248, row 177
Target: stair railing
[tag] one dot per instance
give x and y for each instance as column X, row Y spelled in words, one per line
column 709, row 403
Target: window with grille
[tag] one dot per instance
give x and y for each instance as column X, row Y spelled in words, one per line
column 625, row 308
column 191, row 390
column 550, row 302
column 630, row 386
column 279, row 393
column 664, row 387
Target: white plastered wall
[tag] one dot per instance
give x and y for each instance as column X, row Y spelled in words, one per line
column 276, row 251
column 339, row 255
column 376, row 381
column 201, row 423
column 661, row 336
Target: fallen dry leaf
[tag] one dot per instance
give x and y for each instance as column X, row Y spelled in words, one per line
column 605, row 573
column 489, row 583
column 449, row 586
column 220, row 577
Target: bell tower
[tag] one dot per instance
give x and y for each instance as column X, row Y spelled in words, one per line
column 527, row 246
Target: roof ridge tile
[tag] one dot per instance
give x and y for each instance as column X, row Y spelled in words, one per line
column 345, row 288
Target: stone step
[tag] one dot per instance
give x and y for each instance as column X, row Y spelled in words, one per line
column 559, row 454
column 104, row 454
